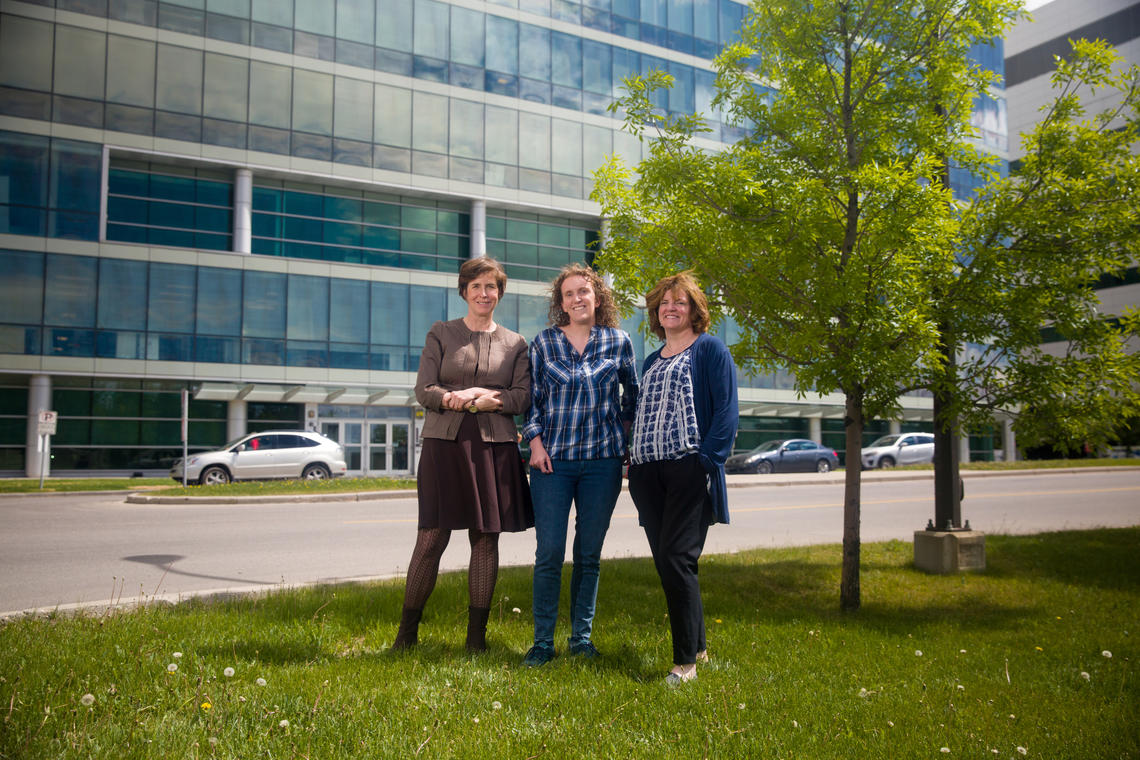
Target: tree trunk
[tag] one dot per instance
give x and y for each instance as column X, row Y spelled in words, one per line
column 947, row 478
column 849, row 595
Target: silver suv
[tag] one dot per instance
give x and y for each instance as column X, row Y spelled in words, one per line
column 266, row 455
column 893, row 450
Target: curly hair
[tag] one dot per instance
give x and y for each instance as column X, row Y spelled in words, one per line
column 605, row 310
column 680, row 284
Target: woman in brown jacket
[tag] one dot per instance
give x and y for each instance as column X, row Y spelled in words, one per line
column 474, row 376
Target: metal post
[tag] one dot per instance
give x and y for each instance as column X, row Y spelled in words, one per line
column 43, row 458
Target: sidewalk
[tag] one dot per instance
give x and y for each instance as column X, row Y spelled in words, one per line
column 734, row 481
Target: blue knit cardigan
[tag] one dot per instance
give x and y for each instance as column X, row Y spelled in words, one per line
column 714, row 395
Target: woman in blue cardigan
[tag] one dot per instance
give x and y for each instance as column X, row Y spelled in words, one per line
column 686, row 423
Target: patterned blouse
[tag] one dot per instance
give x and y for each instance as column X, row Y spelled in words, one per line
column 666, row 423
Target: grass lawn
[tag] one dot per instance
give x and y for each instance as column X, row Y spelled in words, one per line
column 1032, row 658
column 169, row 487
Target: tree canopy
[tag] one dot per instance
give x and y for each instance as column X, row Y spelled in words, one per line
column 830, row 233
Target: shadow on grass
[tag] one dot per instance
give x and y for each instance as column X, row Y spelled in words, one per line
column 797, row 586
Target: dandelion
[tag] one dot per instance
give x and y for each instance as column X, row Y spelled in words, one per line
column 496, row 705
column 1039, row 649
column 1012, row 716
column 178, row 655
column 1022, row 751
column 206, row 705
column 961, row 687
column 740, row 706
column 918, row 653
column 171, row 668
column 719, row 620
column 862, row 693
column 891, row 723
column 261, row 682
column 795, row 724
column 474, row 720
column 213, row 741
column 961, row 651
column 228, row 672
column 284, row 723
column 1085, row 676
column 87, row 700
column 945, row 750
column 516, row 610
column 1107, row 654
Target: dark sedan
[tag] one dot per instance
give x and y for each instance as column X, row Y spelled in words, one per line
column 786, row 455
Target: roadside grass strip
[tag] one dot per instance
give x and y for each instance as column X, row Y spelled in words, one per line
column 1031, row 658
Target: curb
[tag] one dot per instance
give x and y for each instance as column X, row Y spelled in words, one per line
column 734, row 481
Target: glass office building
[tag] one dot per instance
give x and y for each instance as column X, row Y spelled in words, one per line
column 265, row 202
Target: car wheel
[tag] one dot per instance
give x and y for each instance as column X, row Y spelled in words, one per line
column 823, row 466
column 214, row 476
column 886, row 463
column 316, row 472
column 764, row 468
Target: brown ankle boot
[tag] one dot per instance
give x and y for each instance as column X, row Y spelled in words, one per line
column 408, row 635
column 477, row 628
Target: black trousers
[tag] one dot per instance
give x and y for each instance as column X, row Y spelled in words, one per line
column 673, row 505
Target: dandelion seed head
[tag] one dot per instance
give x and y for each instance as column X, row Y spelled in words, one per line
column 213, row 741
column 241, row 699
column 178, row 655
column 284, row 723
column 961, row 651
column 261, row 682
column 474, row 720
column 516, row 610
column 961, row 687
column 1022, row 751
column 87, row 700
column 1107, row 654
column 945, row 750
column 740, row 706
column 891, row 723
column 228, row 672
column 496, row 705
column 1086, row 676
column 795, row 724
column 1012, row 716
column 918, row 653
column 171, row 668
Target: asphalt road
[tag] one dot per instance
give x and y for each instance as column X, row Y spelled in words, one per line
column 69, row 551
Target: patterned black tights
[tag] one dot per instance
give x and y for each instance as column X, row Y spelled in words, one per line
column 424, row 567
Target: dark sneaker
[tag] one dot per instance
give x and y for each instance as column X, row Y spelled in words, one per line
column 585, row 649
column 539, row 655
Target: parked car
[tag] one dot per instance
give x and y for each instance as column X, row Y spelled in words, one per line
column 893, row 450
column 785, row 455
column 266, row 455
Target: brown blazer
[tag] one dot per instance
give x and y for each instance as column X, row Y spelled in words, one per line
column 455, row 358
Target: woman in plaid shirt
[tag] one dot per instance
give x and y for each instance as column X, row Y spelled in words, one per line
column 583, row 394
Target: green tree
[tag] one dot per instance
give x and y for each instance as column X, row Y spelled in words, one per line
column 1030, row 248
column 829, row 232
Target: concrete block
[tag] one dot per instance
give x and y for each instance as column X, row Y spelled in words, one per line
column 942, row 552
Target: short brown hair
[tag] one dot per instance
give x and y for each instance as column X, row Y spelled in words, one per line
column 605, row 308
column 682, row 283
column 473, row 269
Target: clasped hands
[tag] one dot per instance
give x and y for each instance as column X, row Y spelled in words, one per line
column 482, row 399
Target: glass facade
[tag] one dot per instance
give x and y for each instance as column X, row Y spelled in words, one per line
column 128, row 309
column 128, row 82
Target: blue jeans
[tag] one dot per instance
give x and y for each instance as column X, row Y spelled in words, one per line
column 593, row 485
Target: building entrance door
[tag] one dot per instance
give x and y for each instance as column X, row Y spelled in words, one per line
column 372, row 448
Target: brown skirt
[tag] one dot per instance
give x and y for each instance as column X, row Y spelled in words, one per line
column 469, row 484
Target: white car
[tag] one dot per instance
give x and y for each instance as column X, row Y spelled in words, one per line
column 271, row 454
column 895, row 450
